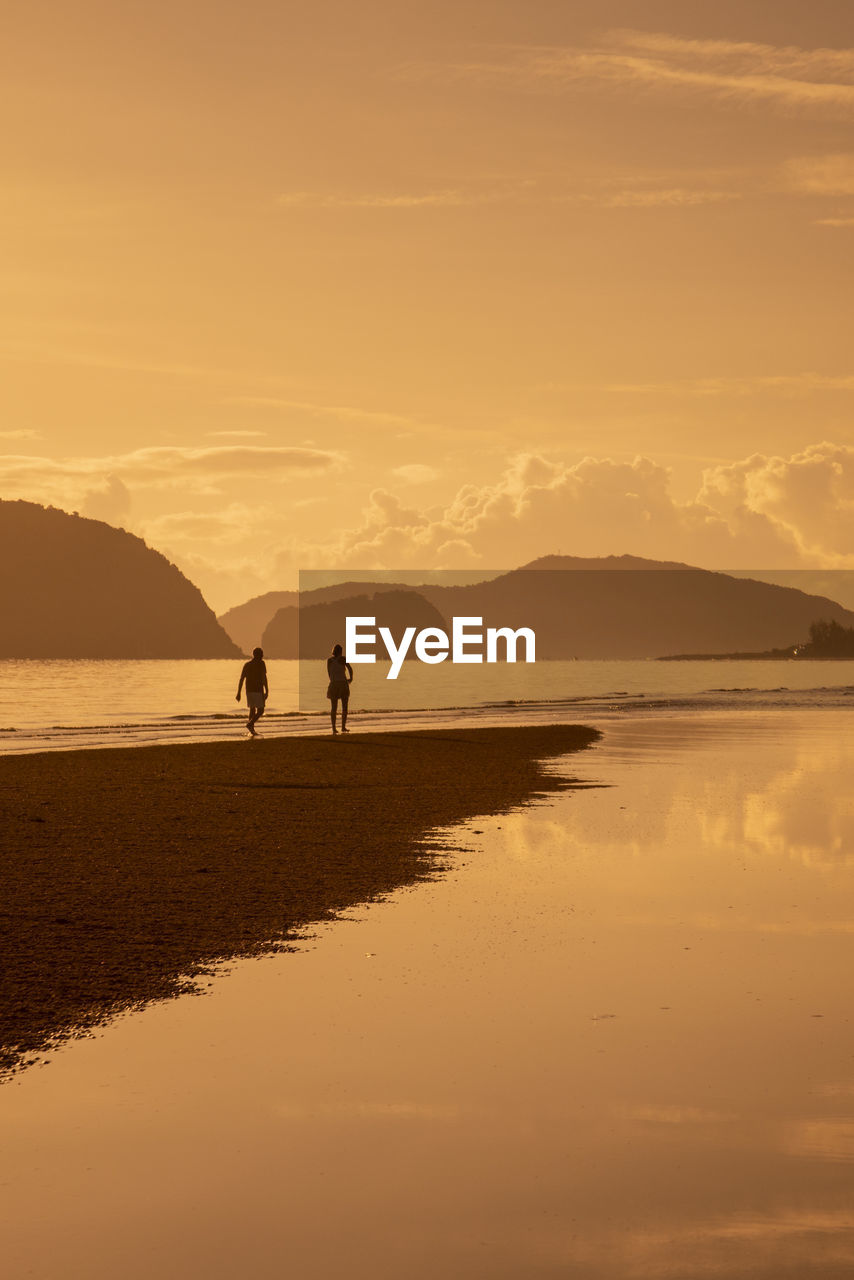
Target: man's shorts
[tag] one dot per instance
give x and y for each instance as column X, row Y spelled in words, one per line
column 255, row 699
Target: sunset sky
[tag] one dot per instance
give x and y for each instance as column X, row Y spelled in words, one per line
column 393, row 285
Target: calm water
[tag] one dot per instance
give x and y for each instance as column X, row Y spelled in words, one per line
column 615, row 1042
column 63, row 704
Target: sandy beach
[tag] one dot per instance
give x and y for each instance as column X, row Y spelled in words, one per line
column 127, row 872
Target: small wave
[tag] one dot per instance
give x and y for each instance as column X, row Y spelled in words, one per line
column 593, row 708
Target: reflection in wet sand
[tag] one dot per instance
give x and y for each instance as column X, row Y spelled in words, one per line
column 614, row 1043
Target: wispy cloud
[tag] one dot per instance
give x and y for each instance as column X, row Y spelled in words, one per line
column 343, row 412
column 44, row 354
column 780, row 384
column 827, row 1138
column 668, row 197
column 73, row 479
column 828, row 175
column 834, row 222
column 226, row 525
column 368, row 1110
column 675, row 1114
column 752, row 55
column 415, row 473
column 737, row 71
column 381, row 200
column 219, row 460
column 20, row 434
column 237, row 435
column 548, row 189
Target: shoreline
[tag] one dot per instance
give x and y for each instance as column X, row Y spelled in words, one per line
column 129, row 871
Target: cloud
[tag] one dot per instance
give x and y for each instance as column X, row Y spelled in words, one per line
column 44, row 354
column 592, row 507
column 522, row 192
column 828, row 175
column 824, row 177
column 19, row 434
column 756, row 514
column 668, row 197
column 69, row 481
column 808, row 497
column 238, row 435
column 752, row 55
column 224, row 551
column 761, row 1241
column 730, row 71
column 828, row 1138
column 222, row 460
column 791, row 384
column 111, row 502
column 415, row 473
column 162, row 461
column 676, row 1114
column 402, row 200
column 233, row 532
column 343, row 412
column 356, row 1110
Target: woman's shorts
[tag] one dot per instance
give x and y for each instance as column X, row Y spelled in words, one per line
column 338, row 689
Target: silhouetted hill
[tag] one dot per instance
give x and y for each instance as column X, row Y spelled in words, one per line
column 601, row 563
column 312, row 630
column 627, row 607
column 247, row 623
column 608, row 607
column 78, row 588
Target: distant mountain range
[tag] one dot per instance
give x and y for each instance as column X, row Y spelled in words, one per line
column 614, row 607
column 77, row 588
column 247, row 623
column 305, row 631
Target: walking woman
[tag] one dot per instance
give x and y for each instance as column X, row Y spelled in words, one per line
column 340, row 678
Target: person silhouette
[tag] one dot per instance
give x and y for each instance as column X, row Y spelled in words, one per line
column 340, row 678
column 254, row 673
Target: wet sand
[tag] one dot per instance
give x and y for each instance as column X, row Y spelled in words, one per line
column 613, row 1041
column 127, row 873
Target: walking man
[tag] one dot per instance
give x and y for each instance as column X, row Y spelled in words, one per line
column 257, row 692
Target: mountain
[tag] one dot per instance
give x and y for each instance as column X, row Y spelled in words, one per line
column 612, row 607
column 78, row 588
column 836, row 584
column 311, row 630
column 628, row 607
column 247, row 623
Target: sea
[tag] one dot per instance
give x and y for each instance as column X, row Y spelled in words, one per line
column 60, row 704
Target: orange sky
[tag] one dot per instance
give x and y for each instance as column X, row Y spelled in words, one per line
column 386, row 285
